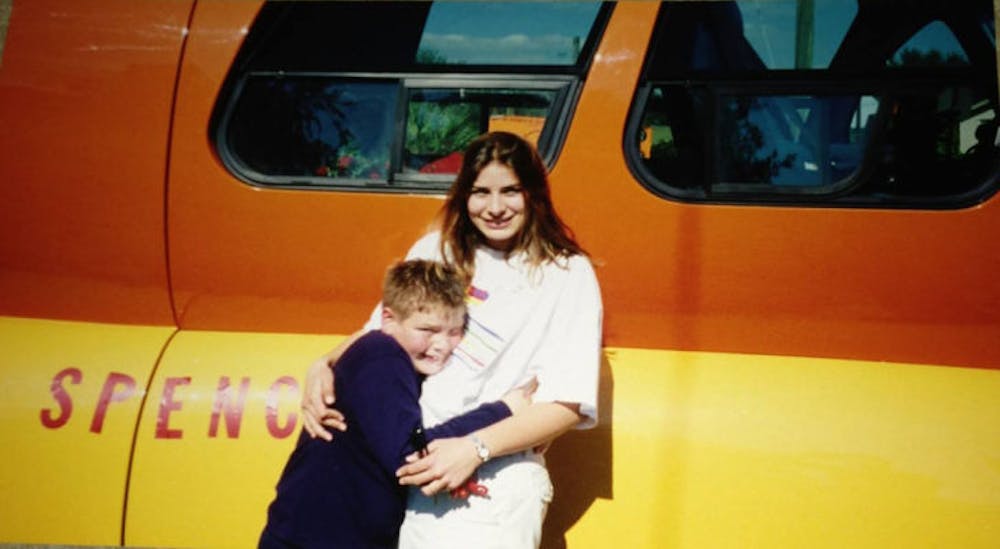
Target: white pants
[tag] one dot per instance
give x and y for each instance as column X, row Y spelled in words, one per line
column 509, row 517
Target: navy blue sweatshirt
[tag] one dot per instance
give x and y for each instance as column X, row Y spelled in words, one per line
column 345, row 493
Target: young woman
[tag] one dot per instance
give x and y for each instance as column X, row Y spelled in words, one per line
column 535, row 313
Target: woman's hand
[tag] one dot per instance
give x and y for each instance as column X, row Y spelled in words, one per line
column 317, row 397
column 448, row 463
column 519, row 398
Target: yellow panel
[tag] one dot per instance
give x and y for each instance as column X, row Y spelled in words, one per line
column 714, row 450
column 195, row 487
column 695, row 450
column 71, row 397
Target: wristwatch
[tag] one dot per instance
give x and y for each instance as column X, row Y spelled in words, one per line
column 481, row 450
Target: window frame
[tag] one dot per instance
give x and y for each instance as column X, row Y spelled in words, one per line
column 807, row 82
column 566, row 89
column 565, row 80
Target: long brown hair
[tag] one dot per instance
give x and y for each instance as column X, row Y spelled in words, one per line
column 544, row 236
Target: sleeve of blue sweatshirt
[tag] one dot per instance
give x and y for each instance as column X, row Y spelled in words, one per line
column 469, row 422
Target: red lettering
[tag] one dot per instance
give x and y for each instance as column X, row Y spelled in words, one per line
column 223, row 403
column 109, row 395
column 167, row 405
column 271, row 411
column 62, row 398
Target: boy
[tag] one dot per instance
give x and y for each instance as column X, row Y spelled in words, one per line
column 344, row 493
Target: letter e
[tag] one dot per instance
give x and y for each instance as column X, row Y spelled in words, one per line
column 167, row 405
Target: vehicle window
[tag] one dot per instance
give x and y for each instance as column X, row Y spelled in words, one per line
column 785, row 35
column 506, row 33
column 306, row 107
column 892, row 104
column 441, row 121
column 306, row 126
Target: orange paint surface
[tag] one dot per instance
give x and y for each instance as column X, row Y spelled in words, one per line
column 84, row 231
column 915, row 286
column 85, row 97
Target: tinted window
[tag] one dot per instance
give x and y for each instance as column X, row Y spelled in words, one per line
column 825, row 102
column 441, row 121
column 304, row 106
column 506, row 33
column 300, row 126
column 785, row 35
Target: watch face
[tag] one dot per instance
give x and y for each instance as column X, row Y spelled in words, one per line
column 481, row 450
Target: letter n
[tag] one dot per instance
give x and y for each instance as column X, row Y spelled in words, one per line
column 224, row 405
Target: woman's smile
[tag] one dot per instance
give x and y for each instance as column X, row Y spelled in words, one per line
column 497, row 224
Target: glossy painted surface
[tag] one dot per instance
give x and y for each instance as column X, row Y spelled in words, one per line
column 693, row 450
column 222, row 418
column 72, row 395
column 247, row 258
column 85, row 97
column 912, row 286
column 909, row 286
column 723, row 450
column 696, row 447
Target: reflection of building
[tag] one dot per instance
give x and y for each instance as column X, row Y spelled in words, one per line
column 528, row 127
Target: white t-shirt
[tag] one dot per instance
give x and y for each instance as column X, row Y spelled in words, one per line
column 522, row 323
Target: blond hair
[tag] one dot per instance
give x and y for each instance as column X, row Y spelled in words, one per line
column 422, row 285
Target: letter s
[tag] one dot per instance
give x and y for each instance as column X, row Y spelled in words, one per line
column 62, row 398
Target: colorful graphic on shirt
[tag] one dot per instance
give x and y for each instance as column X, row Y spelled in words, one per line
column 476, row 295
column 480, row 346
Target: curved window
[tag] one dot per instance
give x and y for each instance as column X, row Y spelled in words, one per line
column 362, row 108
column 889, row 104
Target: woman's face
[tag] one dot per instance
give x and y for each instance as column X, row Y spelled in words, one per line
column 496, row 205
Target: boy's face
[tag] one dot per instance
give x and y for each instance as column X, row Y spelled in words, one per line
column 427, row 336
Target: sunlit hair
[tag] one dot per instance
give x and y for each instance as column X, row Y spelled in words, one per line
column 422, row 285
column 544, row 237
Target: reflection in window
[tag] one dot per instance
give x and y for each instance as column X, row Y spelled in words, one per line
column 309, row 127
column 791, row 140
column 935, row 45
column 770, row 140
column 896, row 112
column 506, row 33
column 441, row 122
column 784, row 33
column 320, row 94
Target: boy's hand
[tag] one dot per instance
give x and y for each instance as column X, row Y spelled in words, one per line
column 317, row 397
column 519, row 398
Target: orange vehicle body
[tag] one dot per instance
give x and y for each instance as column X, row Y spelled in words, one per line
column 119, row 227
